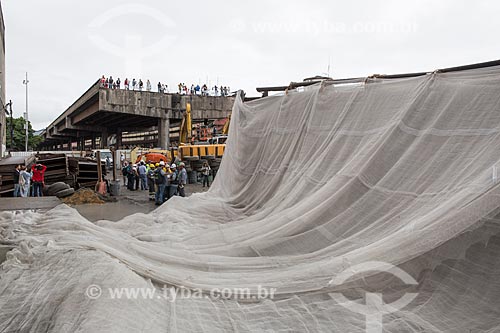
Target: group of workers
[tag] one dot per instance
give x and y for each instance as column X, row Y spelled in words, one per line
column 29, row 180
column 161, row 179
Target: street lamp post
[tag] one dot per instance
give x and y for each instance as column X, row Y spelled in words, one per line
column 11, row 122
column 11, row 126
column 25, row 82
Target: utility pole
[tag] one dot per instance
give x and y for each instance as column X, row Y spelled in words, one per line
column 25, row 82
column 11, row 126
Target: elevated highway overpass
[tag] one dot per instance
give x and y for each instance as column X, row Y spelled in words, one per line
column 101, row 113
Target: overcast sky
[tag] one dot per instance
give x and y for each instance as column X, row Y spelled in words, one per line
column 65, row 46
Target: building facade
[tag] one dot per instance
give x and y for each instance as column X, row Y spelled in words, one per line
column 3, row 118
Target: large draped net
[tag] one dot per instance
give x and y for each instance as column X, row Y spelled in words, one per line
column 313, row 183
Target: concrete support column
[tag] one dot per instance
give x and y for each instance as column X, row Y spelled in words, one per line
column 104, row 140
column 118, row 139
column 164, row 133
column 93, row 144
column 70, row 144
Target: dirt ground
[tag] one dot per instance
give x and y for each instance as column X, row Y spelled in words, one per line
column 128, row 203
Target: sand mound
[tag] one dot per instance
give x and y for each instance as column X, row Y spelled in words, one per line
column 83, row 196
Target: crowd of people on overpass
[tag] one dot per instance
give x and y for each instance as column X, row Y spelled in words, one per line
column 110, row 83
column 139, row 85
column 203, row 90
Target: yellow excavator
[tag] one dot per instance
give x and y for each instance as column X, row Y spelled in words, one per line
column 194, row 154
column 225, row 129
column 187, row 151
column 186, row 129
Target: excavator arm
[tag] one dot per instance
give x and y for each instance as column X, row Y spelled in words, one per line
column 186, row 128
column 225, row 129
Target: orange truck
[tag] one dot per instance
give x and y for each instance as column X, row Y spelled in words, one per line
column 152, row 157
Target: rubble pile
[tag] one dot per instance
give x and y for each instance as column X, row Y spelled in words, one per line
column 84, row 196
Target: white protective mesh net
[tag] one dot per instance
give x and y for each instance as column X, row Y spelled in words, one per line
column 313, row 183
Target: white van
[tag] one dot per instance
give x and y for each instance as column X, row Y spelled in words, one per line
column 218, row 140
column 105, row 153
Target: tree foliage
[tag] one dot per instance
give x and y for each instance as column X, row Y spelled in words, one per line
column 19, row 136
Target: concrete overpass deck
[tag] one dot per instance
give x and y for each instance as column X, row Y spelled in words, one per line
column 101, row 112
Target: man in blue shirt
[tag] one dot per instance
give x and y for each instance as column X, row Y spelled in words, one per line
column 143, row 175
column 182, row 179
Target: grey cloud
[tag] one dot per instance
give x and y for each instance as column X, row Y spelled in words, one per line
column 243, row 45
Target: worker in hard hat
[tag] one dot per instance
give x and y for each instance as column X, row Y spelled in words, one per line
column 151, row 181
column 166, row 192
column 160, row 182
column 131, row 171
column 142, row 170
column 182, row 175
column 174, row 182
column 137, row 178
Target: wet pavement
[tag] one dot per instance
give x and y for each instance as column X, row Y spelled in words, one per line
column 128, row 203
column 30, row 203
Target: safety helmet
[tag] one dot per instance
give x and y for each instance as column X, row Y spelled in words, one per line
column 157, row 164
column 151, row 165
column 173, row 166
column 162, row 163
